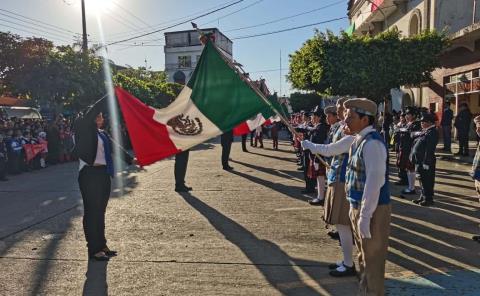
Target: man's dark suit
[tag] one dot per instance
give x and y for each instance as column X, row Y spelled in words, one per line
column 423, row 153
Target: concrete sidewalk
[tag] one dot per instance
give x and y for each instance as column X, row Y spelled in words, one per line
column 246, row 232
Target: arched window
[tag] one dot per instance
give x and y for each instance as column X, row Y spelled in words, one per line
column 415, row 23
column 179, row 77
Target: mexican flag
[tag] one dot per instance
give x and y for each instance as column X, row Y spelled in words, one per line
column 266, row 116
column 214, row 101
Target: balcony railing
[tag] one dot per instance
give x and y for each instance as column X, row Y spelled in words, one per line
column 462, row 87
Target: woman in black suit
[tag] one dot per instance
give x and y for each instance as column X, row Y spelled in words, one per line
column 94, row 151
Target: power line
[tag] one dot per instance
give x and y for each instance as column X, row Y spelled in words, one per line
column 35, row 24
column 175, row 25
column 243, row 8
column 38, row 21
column 172, row 20
column 35, row 29
column 288, row 29
column 30, row 32
column 287, row 17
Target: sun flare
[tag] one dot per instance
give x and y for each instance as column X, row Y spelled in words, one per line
column 99, row 5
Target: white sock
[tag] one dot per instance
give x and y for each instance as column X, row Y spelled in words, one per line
column 346, row 239
column 321, row 187
column 411, row 180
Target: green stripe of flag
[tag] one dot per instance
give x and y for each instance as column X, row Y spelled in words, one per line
column 220, row 94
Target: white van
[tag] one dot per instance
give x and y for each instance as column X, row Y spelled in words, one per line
column 20, row 112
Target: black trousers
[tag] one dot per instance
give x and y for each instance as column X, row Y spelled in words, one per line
column 94, row 185
column 252, row 136
column 3, row 168
column 180, row 168
column 463, row 143
column 226, row 147
column 427, row 181
column 309, row 182
column 244, row 142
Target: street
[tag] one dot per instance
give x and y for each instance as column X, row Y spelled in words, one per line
column 245, row 232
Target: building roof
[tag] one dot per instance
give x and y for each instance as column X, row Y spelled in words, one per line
column 205, row 29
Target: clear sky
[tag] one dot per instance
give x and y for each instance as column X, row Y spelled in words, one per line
column 126, row 18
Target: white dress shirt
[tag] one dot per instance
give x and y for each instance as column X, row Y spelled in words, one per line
column 375, row 157
column 99, row 158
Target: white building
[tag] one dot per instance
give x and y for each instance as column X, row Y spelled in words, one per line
column 183, row 49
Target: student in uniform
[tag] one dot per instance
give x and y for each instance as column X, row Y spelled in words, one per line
column 423, row 156
column 367, row 190
column 336, row 207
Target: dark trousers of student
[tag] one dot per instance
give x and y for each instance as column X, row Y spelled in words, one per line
column 3, row 168
column 226, row 147
column 463, row 143
column 244, row 142
column 180, row 168
column 94, row 183
column 309, row 182
column 427, row 181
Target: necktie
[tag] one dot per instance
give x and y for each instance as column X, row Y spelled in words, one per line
column 108, row 152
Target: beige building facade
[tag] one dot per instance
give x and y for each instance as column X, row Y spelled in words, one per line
column 458, row 79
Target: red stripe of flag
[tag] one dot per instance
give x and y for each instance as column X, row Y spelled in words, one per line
column 150, row 138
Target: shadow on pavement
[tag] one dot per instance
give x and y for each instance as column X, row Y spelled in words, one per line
column 275, row 265
column 96, row 279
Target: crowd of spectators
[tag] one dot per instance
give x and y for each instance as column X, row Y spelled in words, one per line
column 53, row 141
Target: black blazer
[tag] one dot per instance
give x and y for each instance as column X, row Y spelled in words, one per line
column 86, row 137
column 423, row 151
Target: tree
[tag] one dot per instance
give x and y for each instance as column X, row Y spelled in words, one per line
column 307, row 101
column 149, row 86
column 363, row 65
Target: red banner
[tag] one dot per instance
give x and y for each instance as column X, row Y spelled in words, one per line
column 376, row 4
column 32, row 150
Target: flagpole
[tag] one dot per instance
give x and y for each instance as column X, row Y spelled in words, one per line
column 250, row 83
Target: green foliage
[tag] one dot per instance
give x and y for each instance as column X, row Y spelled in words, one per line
column 304, row 101
column 363, row 65
column 63, row 78
column 150, row 87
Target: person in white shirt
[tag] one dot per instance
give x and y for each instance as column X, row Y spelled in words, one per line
column 367, row 190
column 336, row 206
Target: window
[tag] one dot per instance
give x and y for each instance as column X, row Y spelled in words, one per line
column 184, row 61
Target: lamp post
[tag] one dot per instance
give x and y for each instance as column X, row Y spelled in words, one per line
column 381, row 11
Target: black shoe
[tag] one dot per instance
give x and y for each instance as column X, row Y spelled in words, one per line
column 316, row 202
column 408, row 191
column 334, row 235
column 335, row 265
column 427, row 203
column 100, row 256
column 110, row 253
column 182, row 189
column 476, row 238
column 244, row 150
column 419, row 200
column 343, row 271
column 228, row 168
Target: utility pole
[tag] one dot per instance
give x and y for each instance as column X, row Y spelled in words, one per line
column 280, row 93
column 84, row 26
